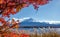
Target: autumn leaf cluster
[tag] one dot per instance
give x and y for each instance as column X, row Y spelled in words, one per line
column 11, row 7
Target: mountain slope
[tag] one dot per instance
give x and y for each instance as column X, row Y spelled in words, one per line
column 32, row 22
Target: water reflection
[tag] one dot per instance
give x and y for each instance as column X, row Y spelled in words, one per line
column 39, row 30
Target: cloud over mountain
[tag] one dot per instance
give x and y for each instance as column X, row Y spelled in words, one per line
column 39, row 23
column 29, row 19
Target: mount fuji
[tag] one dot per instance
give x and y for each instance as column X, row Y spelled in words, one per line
column 33, row 22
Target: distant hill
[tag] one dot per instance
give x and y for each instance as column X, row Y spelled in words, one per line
column 30, row 22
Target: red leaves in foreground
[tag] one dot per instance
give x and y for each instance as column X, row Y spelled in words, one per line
column 7, row 12
column 2, row 20
column 4, row 29
column 8, row 7
column 15, row 35
column 24, row 35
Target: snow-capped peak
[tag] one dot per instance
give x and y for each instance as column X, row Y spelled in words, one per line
column 23, row 19
column 35, row 20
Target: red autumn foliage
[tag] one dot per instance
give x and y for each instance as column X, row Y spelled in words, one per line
column 24, row 35
column 8, row 7
column 2, row 20
column 15, row 35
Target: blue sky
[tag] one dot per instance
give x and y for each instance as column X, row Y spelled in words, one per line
column 50, row 11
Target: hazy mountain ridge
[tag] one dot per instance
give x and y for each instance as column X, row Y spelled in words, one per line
column 33, row 22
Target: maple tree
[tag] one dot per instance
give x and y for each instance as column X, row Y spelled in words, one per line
column 8, row 7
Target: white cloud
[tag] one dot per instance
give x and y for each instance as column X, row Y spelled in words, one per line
column 35, row 20
column 21, row 19
column 50, row 22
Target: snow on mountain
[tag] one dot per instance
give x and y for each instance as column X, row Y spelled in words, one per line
column 23, row 19
column 36, row 22
column 28, row 19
